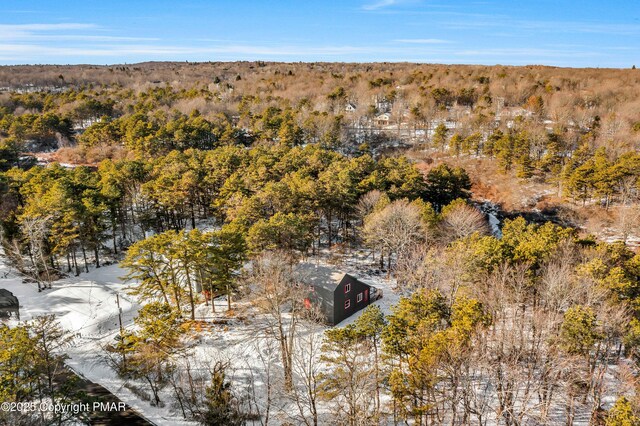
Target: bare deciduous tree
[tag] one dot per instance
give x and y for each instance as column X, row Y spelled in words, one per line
column 460, row 221
column 307, row 368
column 36, row 229
column 368, row 202
column 394, row 230
column 628, row 221
column 279, row 296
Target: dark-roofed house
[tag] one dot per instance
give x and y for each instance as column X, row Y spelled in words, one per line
column 350, row 107
column 338, row 295
column 8, row 304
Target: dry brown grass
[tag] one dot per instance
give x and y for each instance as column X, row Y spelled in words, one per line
column 490, row 183
column 84, row 156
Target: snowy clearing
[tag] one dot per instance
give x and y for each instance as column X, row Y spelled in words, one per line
column 86, row 307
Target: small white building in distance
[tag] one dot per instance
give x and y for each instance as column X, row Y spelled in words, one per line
column 350, row 107
column 383, row 119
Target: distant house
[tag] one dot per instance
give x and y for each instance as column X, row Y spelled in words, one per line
column 350, row 107
column 338, row 295
column 382, row 104
column 8, row 304
column 449, row 124
column 80, row 126
column 383, row 119
column 512, row 112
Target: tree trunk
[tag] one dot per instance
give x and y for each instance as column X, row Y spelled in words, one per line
column 96, row 253
column 75, row 262
column 329, row 228
column 113, row 235
column 191, row 302
column 84, row 256
column 377, row 378
column 193, row 217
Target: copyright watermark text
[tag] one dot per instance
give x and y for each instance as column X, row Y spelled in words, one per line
column 25, row 407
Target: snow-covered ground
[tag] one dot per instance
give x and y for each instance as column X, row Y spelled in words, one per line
column 609, row 235
column 86, row 307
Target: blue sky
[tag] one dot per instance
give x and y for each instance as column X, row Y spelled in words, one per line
column 563, row 33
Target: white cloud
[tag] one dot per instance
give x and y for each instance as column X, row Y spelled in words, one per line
column 58, row 32
column 36, row 52
column 471, row 22
column 525, row 52
column 380, row 4
column 15, row 32
column 73, row 37
column 24, row 31
column 422, row 41
column 33, row 43
column 74, row 42
column 383, row 4
column 45, row 27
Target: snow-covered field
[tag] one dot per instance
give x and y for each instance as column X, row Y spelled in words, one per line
column 86, row 307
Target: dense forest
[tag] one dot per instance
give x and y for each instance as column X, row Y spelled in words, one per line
column 209, row 181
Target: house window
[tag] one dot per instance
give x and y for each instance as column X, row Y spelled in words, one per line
column 347, row 288
column 359, row 298
column 347, row 304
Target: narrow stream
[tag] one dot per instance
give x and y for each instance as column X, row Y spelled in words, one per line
column 492, row 211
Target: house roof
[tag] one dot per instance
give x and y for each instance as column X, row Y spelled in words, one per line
column 319, row 276
column 323, row 278
column 7, row 300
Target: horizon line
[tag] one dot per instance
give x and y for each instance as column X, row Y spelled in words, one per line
column 355, row 62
